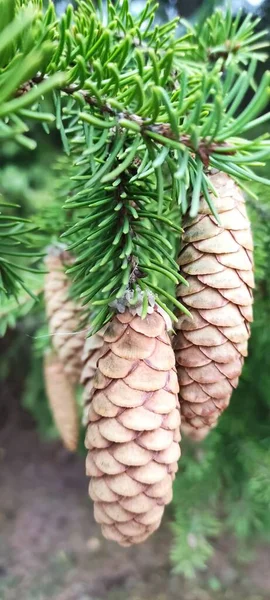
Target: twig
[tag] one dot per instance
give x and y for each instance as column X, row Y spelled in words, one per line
column 204, row 149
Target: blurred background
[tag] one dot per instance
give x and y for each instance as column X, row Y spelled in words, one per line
column 214, row 543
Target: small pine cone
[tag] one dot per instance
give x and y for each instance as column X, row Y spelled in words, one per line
column 134, row 428
column 64, row 316
column 62, row 401
column 91, row 353
column 218, row 266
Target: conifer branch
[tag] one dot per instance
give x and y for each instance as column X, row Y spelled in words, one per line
column 143, row 116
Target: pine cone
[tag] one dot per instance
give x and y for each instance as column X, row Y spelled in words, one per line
column 210, row 349
column 64, row 316
column 62, row 401
column 133, row 430
column 91, row 353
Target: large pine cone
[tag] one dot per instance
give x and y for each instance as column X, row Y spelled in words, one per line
column 64, row 316
column 133, row 430
column 62, row 401
column 210, row 349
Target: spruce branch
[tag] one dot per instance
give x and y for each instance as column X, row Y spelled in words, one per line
column 151, row 135
column 12, row 309
column 118, row 70
column 143, row 116
column 16, row 243
column 24, row 45
column 233, row 41
column 115, row 254
column 23, row 49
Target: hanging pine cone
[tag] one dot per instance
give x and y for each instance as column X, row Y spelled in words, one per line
column 64, row 315
column 133, row 430
column 62, row 401
column 91, row 353
column 210, row 349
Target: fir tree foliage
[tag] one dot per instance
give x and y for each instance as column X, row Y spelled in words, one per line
column 24, row 49
column 143, row 115
column 222, row 36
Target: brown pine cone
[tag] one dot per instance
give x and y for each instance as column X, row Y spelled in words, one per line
column 218, row 266
column 62, row 401
column 133, row 430
column 91, row 353
column 64, row 316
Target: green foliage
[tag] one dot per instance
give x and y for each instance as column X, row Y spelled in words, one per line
column 133, row 134
column 23, row 50
column 14, row 309
column 127, row 216
column 234, row 40
column 15, row 240
column 142, row 114
column 30, row 183
column 196, row 506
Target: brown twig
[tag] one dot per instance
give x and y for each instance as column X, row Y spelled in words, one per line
column 204, row 149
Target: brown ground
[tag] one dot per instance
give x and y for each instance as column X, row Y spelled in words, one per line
column 51, row 548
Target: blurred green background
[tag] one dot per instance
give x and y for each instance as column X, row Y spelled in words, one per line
column 214, row 543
